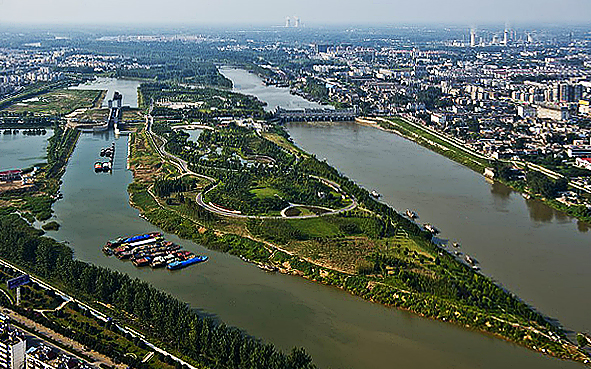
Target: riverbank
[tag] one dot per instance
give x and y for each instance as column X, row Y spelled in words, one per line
column 35, row 201
column 382, row 285
column 462, row 156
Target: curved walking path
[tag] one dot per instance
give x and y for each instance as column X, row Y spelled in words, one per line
column 233, row 214
column 183, row 167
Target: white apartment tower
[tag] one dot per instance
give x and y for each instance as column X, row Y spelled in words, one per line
column 12, row 349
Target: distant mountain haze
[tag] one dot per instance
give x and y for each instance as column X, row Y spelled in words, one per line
column 310, row 12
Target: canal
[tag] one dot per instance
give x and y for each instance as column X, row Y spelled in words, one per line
column 337, row 329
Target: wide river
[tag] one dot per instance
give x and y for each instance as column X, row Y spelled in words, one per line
column 337, row 329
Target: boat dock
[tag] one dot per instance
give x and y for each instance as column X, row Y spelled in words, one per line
column 151, row 249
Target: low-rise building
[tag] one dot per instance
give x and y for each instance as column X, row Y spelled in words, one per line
column 44, row 357
column 583, row 163
column 11, row 175
column 546, row 111
column 579, row 151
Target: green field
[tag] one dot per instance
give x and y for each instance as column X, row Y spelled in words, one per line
column 59, row 102
column 263, row 192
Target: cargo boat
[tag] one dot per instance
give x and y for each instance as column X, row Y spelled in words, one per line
column 183, row 264
column 141, row 262
column 411, row 214
column 431, row 228
column 121, row 240
column 153, row 250
column 140, row 237
column 158, row 262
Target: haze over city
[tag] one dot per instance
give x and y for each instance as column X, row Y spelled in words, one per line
column 311, row 12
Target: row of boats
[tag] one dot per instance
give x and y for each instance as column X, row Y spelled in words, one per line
column 151, row 249
column 412, row 215
column 473, row 263
column 106, row 166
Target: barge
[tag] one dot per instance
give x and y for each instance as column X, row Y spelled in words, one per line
column 151, row 249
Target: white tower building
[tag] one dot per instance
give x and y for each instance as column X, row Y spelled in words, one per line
column 472, row 37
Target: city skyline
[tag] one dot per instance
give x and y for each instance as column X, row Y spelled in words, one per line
column 312, row 13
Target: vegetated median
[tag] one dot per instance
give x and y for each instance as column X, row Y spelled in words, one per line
column 372, row 252
column 428, row 140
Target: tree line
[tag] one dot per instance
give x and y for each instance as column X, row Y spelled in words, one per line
column 165, row 317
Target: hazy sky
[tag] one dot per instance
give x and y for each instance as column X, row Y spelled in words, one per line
column 312, row 12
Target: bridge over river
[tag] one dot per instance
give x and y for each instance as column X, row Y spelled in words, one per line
column 312, row 115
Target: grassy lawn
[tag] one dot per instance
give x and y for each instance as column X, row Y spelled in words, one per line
column 94, row 114
column 283, row 143
column 131, row 115
column 316, row 227
column 59, row 102
column 264, row 192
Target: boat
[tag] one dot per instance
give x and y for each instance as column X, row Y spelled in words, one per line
column 141, row 262
column 471, row 260
column 106, row 166
column 185, row 263
column 143, row 242
column 526, row 195
column 431, row 228
column 140, row 237
column 98, row 167
column 267, row 268
column 375, row 194
column 158, row 262
column 102, row 152
column 411, row 214
column 455, row 244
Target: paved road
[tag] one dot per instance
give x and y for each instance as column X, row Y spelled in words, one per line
column 98, row 314
column 232, row 214
column 181, row 164
column 459, row 145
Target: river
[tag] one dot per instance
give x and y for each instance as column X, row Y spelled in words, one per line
column 542, row 255
column 339, row 330
column 272, row 95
